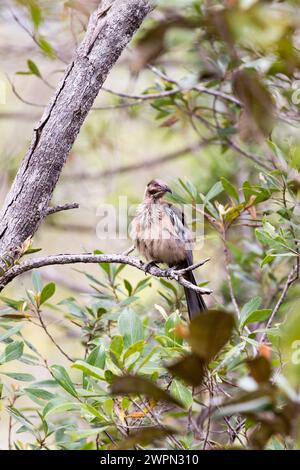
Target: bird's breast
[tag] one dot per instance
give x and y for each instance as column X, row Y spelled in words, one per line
column 155, row 235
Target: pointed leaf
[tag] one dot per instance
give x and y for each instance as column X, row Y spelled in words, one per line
column 130, row 327
column 62, row 377
column 47, row 292
column 12, row 352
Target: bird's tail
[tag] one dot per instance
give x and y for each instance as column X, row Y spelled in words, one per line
column 194, row 300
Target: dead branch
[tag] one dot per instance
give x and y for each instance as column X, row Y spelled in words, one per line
column 60, row 259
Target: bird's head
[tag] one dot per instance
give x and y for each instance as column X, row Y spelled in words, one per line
column 156, row 189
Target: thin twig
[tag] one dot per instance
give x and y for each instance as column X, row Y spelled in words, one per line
column 50, row 336
column 143, row 97
column 64, row 207
column 200, row 88
column 292, row 277
column 248, row 155
column 191, row 268
column 228, row 275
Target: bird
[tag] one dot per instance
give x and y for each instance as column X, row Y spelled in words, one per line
column 160, row 235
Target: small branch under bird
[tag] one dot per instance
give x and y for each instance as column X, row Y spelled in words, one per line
column 160, row 235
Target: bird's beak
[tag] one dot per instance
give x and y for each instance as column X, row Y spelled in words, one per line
column 167, row 189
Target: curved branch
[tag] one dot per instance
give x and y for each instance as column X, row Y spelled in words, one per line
column 64, row 207
column 35, row 263
column 146, row 96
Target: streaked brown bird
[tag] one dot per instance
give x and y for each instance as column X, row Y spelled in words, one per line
column 160, row 235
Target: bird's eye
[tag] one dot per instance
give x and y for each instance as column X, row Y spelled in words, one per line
column 152, row 191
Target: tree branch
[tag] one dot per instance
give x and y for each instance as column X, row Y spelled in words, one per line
column 28, row 200
column 64, row 207
column 35, row 263
column 292, row 277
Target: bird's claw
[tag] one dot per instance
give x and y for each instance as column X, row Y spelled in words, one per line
column 149, row 266
column 171, row 273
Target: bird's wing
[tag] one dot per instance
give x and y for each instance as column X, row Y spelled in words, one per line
column 176, row 217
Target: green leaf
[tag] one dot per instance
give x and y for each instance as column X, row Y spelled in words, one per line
column 182, row 393
column 93, row 411
column 19, row 376
column 142, row 285
column 248, row 309
column 75, row 435
column 230, row 189
column 36, row 14
column 168, row 285
column 46, row 47
column 47, row 292
column 15, row 304
column 62, row 377
column 37, row 282
column 33, row 68
column 39, row 393
column 97, row 357
column 257, row 316
column 209, row 332
column 20, row 417
column 11, row 332
column 267, row 259
column 128, row 287
column 170, row 326
column 30, row 251
column 135, row 347
column 59, row 405
column 136, row 385
column 116, row 345
column 213, row 192
column 12, row 352
column 89, row 370
column 130, row 327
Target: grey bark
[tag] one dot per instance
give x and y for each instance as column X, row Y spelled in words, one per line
column 109, row 31
column 60, row 259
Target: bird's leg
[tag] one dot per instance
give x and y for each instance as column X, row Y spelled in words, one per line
column 149, row 266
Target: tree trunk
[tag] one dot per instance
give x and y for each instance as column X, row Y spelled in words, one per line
column 109, row 31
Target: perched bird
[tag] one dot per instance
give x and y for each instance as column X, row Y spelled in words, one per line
column 160, row 235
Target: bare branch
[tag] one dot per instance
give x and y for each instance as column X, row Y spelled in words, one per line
column 64, row 207
column 200, row 88
column 192, row 267
column 248, row 155
column 144, row 97
column 50, row 336
column 130, row 250
column 292, row 277
column 60, row 259
column 219, row 94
